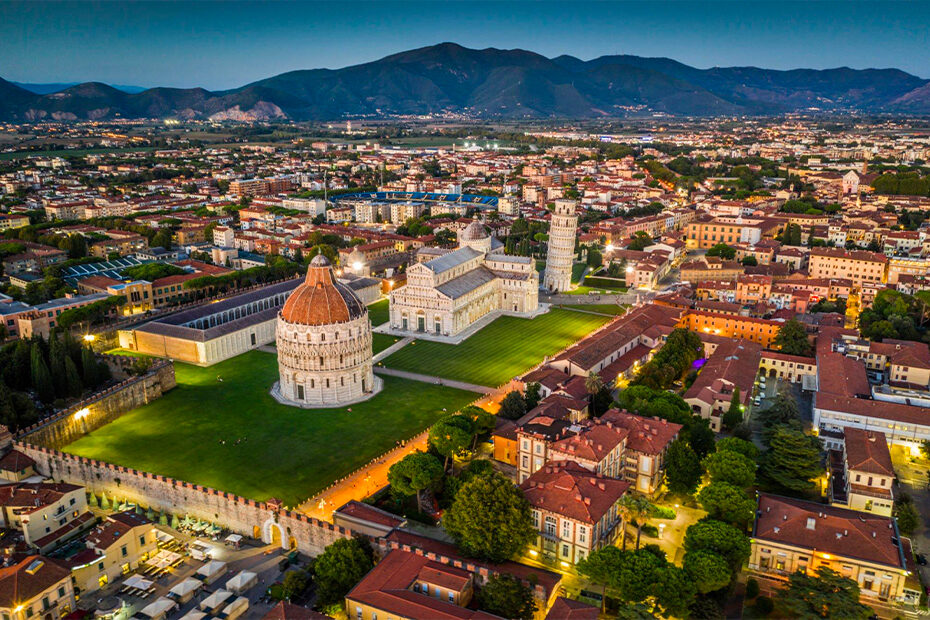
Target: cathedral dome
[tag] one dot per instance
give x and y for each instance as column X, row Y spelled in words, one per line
column 321, row 300
column 474, row 231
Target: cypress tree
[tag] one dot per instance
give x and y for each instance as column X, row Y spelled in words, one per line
column 89, row 368
column 41, row 377
column 72, row 378
column 56, row 364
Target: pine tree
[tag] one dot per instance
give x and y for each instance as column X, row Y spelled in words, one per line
column 7, row 410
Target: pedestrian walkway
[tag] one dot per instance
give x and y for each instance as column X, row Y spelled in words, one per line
column 394, row 348
column 415, row 376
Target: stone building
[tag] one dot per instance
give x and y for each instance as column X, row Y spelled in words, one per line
column 448, row 292
column 324, row 343
column 558, row 276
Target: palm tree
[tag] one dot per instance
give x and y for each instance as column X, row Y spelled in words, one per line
column 593, row 383
column 635, row 508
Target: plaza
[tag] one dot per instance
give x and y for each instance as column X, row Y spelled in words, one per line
column 221, row 428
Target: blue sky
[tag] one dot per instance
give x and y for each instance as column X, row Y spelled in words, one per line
column 223, row 44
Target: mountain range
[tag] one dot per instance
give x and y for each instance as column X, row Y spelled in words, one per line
column 493, row 83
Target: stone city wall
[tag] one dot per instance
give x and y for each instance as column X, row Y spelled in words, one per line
column 70, row 424
column 238, row 514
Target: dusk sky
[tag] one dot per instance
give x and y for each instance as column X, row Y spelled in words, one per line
column 221, row 45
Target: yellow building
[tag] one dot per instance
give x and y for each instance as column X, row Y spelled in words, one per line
column 856, row 265
column 35, row 587
column 114, row 548
column 47, row 513
column 791, row 535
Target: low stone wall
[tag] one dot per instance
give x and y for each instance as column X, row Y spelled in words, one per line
column 69, row 425
column 164, row 494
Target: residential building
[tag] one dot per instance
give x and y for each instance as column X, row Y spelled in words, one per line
column 36, row 587
column 47, row 513
column 116, row 547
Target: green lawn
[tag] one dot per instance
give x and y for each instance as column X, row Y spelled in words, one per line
column 378, row 313
column 577, row 270
column 500, row 351
column 379, row 342
column 287, row 452
column 602, row 308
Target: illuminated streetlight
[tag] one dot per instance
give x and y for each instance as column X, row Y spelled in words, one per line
column 89, row 337
column 82, row 413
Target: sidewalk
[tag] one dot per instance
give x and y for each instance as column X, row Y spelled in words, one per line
column 414, row 376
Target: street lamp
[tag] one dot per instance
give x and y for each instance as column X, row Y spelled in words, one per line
column 89, row 337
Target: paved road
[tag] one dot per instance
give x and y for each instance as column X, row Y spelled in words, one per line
column 415, row 376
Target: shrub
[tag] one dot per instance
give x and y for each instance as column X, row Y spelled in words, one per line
column 752, row 587
column 661, row 512
column 651, row 531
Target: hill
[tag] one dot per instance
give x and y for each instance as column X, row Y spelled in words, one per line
column 494, row 83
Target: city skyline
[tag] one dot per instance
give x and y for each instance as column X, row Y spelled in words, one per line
column 220, row 45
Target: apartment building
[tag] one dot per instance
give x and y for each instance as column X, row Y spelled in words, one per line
column 116, row 547
column 574, row 510
column 47, row 513
column 858, row 266
column 732, row 366
column 861, row 473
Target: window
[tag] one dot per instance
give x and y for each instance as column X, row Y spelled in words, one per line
column 451, row 597
column 564, row 551
column 536, row 519
column 124, row 551
column 142, row 540
column 566, row 529
column 582, row 534
column 61, row 592
column 550, row 525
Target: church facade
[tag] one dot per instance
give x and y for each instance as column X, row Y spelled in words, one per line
column 449, row 291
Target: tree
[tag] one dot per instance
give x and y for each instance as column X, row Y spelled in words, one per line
column 734, row 444
column 641, row 240
column 783, row 410
column 731, row 467
column 792, row 339
column 682, row 468
column 700, row 436
column 531, row 395
column 482, row 422
column 734, row 414
column 723, row 251
column 792, row 461
column 720, row 538
column 674, row 591
column 89, row 368
column 512, row 406
column 593, row 383
column 41, row 377
column 414, row 473
column 449, row 436
column 728, row 503
column 600, row 566
column 595, row 258
column 635, row 509
column 709, row 571
column 507, row 596
column 826, row 595
column 72, row 378
column 749, row 261
column 907, row 515
column 637, row 574
column 490, row 519
column 341, row 565
column 294, row 582
column 162, row 239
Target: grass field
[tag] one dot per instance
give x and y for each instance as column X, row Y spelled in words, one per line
column 285, row 452
column 500, row 351
column 379, row 342
column 379, row 313
column 602, row 308
column 577, row 270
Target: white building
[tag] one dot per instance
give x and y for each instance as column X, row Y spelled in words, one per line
column 558, row 276
column 323, row 338
column 449, row 293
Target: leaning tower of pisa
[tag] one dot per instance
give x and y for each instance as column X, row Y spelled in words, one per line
column 558, row 276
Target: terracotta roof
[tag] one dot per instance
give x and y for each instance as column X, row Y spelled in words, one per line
column 568, row 609
column 30, row 496
column 360, row 510
column 18, row 583
column 828, row 529
column 16, row 461
column 388, row 588
column 321, row 299
column 568, row 489
column 645, row 435
column 867, row 451
column 114, row 528
column 288, row 611
column 592, row 441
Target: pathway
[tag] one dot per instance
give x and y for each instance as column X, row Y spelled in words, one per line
column 414, row 376
column 394, row 348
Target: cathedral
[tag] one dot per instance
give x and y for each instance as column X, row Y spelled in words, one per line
column 448, row 291
column 323, row 337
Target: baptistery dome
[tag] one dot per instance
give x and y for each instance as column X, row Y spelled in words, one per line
column 323, row 338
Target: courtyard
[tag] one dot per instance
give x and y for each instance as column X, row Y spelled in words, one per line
column 499, row 352
column 221, row 428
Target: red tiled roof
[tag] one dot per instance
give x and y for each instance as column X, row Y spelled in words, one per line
column 18, row 584
column 645, row 435
column 568, row 489
column 828, row 529
column 361, row 510
column 288, row 611
column 16, row 461
column 568, row 609
column 867, row 451
column 30, row 496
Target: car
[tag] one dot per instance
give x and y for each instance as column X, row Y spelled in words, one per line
column 757, row 401
column 921, row 559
